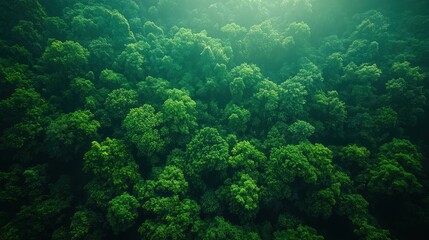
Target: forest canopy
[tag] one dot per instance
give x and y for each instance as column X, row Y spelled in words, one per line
column 234, row 119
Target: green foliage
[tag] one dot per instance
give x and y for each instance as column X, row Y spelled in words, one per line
column 142, row 129
column 390, row 178
column 243, row 79
column 174, row 218
column 170, row 181
column 22, row 104
column 290, row 162
column 111, row 162
column 101, row 53
column 244, row 195
column 245, row 157
column 275, row 138
column 120, row 101
column 71, row 132
column 300, row 31
column 24, row 120
column 300, row 232
column 267, row 100
column 122, row 212
column 300, row 131
column 321, row 203
column 262, row 41
column 222, row 229
column 179, row 112
column 362, row 50
column 353, row 205
column 331, row 111
column 206, row 152
column 11, row 191
column 209, row 203
column 153, row 90
column 29, row 35
column 39, row 215
column 233, row 119
column 405, row 92
column 130, row 61
column 80, row 225
column 397, row 169
column 354, row 157
column 293, row 100
column 87, row 20
column 66, row 58
column 112, row 80
column 237, row 118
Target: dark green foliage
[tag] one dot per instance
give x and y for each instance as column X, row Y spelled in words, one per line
column 71, row 133
column 244, row 196
column 174, row 218
column 120, row 101
column 179, row 112
column 83, row 225
column 122, row 212
column 141, row 128
column 66, row 58
column 206, row 152
column 210, row 119
column 221, row 229
column 300, row 232
column 111, row 162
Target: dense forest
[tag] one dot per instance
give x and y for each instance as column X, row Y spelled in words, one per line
column 214, row 119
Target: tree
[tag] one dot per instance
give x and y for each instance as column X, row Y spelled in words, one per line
column 300, row 232
column 111, row 162
column 206, row 152
column 130, row 61
column 119, row 102
column 101, row 53
column 112, row 80
column 71, row 133
column 173, row 218
column 354, row 158
column 122, row 212
column 292, row 100
column 263, row 43
column 391, row 179
column 330, row 111
column 397, row 169
column 24, row 117
column 85, row 224
column 153, row 90
column 247, row 158
column 171, row 181
column 405, row 92
column 322, row 202
column 403, row 152
column 244, row 197
column 300, row 131
column 373, row 26
column 87, row 20
column 361, row 51
column 141, row 127
column 178, row 113
column 14, row 76
column 68, row 59
column 243, row 80
column 237, row 118
column 29, row 36
column 267, row 101
column 22, row 104
column 221, row 229
column 168, row 181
